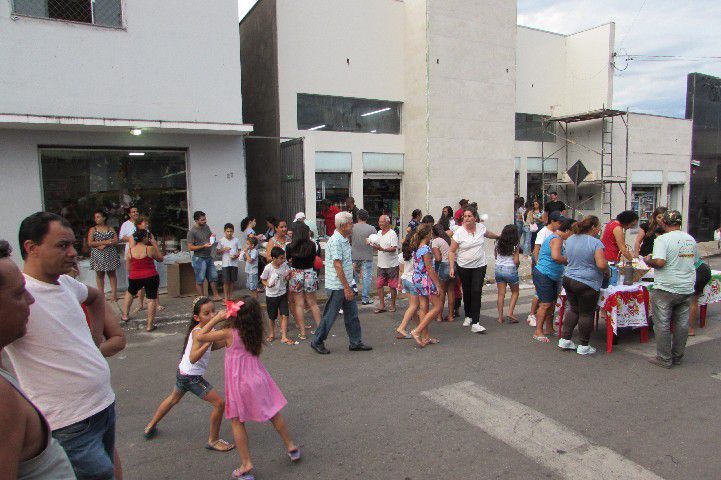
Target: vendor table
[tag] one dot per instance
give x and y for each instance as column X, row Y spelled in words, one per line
column 623, row 306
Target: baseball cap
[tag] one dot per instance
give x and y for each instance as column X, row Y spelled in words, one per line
column 672, row 217
column 299, row 216
column 555, row 216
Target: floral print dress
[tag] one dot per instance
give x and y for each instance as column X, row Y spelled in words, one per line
column 421, row 280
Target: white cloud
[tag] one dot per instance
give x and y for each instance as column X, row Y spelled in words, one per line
column 661, row 27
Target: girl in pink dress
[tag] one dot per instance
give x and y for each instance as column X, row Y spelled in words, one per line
column 250, row 392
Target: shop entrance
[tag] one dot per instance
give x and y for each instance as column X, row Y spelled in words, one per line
column 382, row 196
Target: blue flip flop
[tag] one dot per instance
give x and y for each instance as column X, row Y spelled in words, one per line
column 242, row 476
column 294, row 455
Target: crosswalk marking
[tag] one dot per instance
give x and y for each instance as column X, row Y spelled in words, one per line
column 537, row 436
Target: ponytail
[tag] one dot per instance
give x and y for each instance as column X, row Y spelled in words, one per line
column 586, row 225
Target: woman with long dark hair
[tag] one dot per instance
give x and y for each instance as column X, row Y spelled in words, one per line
column 104, row 258
column 467, row 259
column 534, row 217
column 507, row 261
column 648, row 231
column 440, row 246
column 303, row 283
column 426, row 282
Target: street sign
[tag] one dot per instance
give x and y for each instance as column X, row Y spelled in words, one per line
column 577, row 172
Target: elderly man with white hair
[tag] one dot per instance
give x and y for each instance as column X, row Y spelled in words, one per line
column 338, row 270
column 388, row 263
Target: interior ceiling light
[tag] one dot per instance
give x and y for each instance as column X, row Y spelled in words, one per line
column 317, row 128
column 135, row 131
column 136, row 154
column 374, row 131
column 376, row 111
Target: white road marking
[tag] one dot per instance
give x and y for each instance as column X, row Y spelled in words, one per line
column 537, row 436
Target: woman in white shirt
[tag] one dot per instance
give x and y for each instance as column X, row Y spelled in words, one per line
column 468, row 260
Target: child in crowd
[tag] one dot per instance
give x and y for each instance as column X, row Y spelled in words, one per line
column 426, row 281
column 250, row 392
column 406, row 272
column 507, row 261
column 275, row 278
column 230, row 248
column 189, row 376
column 250, row 257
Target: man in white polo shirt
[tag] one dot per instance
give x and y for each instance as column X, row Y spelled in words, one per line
column 58, row 362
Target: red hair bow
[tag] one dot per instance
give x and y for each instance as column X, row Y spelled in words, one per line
column 232, row 308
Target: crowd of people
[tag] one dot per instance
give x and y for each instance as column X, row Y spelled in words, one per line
column 64, row 396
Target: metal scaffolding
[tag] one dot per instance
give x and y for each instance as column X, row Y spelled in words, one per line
column 609, row 173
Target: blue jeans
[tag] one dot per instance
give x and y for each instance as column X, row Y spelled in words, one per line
column 90, row 444
column 336, row 301
column 204, row 267
column 363, row 268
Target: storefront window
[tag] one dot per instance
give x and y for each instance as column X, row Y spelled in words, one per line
column 332, row 186
column 76, row 182
column 382, row 196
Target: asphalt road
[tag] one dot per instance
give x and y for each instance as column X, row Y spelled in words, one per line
column 533, row 411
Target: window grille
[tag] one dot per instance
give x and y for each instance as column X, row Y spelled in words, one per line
column 107, row 13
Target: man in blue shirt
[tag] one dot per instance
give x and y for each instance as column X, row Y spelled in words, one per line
column 338, row 269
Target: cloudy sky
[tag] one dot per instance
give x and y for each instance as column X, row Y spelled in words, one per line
column 685, row 28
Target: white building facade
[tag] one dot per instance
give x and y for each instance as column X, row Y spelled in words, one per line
column 129, row 102
column 414, row 104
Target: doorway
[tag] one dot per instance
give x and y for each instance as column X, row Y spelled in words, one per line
column 382, row 196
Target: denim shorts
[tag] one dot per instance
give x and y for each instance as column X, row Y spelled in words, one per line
column 547, row 289
column 204, row 268
column 507, row 275
column 90, row 444
column 194, row 384
column 409, row 288
column 443, row 269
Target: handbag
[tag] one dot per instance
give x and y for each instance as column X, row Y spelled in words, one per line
column 533, row 228
column 318, row 263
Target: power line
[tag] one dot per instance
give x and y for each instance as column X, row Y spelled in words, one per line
column 665, row 57
column 632, row 23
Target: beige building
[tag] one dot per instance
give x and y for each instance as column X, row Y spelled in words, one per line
column 418, row 103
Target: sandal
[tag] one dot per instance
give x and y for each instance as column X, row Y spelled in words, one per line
column 432, row 341
column 392, row 309
column 148, row 434
column 243, row 475
column 302, row 337
column 379, row 310
column 403, row 336
column 511, row 319
column 294, row 454
column 287, row 341
column 160, row 308
column 224, row 446
column 417, row 338
column 269, row 339
column 542, row 339
column 151, row 329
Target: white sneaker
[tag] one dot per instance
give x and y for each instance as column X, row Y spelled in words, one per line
column 566, row 344
column 531, row 320
column 467, row 322
column 585, row 350
column 478, row 328
column 340, row 311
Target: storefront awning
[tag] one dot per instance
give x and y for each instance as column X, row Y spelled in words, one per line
column 98, row 124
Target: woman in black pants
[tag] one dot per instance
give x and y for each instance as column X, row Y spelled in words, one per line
column 468, row 262
column 582, row 280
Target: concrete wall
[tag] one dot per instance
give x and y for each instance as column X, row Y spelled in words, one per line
column 174, row 60
column 564, row 74
column 472, row 106
column 216, row 172
column 259, row 61
column 344, row 48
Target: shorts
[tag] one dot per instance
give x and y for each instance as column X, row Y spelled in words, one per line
column 230, row 274
column 409, row 288
column 204, row 268
column 90, row 444
column 251, row 281
column 303, row 281
column 703, row 276
column 507, row 275
column 547, row 289
column 387, row 277
column 194, row 384
column 150, row 284
column 443, row 269
column 274, row 304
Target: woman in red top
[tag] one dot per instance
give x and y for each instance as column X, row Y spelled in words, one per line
column 328, row 213
column 614, row 236
column 142, row 274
